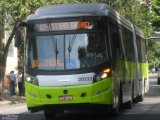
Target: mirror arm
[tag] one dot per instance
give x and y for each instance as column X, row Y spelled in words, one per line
column 20, row 24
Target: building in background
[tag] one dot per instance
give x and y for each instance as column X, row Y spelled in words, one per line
column 12, row 59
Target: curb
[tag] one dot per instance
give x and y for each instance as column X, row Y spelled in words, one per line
column 5, row 102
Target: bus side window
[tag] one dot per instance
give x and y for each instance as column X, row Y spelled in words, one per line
column 115, row 40
column 139, row 48
column 128, row 44
column 144, row 51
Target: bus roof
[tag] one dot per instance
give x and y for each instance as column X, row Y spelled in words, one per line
column 73, row 10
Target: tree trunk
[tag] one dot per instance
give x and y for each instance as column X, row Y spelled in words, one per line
column 4, row 56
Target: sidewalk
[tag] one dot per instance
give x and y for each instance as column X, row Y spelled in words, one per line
column 6, row 98
column 153, row 75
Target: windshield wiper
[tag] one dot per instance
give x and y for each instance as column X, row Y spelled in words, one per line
column 56, row 52
column 54, row 41
column 71, row 42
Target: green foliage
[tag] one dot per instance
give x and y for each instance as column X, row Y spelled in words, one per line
column 19, row 9
column 154, row 53
column 135, row 12
column 154, row 47
column 156, row 14
column 12, row 12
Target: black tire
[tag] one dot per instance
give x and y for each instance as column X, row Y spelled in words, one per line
column 158, row 81
column 128, row 105
column 114, row 112
column 141, row 98
column 49, row 114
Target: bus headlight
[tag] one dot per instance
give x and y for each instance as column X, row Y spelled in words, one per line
column 106, row 73
column 103, row 75
column 31, row 79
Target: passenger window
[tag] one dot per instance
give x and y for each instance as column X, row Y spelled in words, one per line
column 115, row 40
column 128, row 44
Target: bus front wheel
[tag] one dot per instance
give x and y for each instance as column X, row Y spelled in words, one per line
column 49, row 114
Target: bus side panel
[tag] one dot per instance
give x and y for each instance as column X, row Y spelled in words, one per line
column 32, row 95
column 118, row 78
column 135, row 88
column 133, row 78
column 127, row 84
column 102, row 92
column 146, row 77
column 141, row 78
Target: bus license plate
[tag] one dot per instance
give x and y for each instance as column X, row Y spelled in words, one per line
column 65, row 98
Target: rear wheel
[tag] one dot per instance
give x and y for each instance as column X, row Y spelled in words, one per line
column 158, row 81
column 115, row 111
column 141, row 98
column 128, row 105
column 49, row 114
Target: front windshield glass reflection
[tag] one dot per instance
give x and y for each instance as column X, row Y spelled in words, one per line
column 69, row 51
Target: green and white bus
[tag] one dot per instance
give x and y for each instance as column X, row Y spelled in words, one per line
column 82, row 56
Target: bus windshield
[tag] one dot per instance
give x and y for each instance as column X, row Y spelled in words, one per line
column 67, row 51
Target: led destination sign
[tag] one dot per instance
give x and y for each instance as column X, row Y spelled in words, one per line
column 62, row 26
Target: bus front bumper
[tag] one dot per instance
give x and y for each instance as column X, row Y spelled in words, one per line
column 97, row 95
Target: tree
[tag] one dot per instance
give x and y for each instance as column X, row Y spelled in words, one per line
column 156, row 14
column 154, row 47
column 14, row 12
column 138, row 13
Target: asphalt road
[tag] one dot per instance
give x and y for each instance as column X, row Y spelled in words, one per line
column 149, row 109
